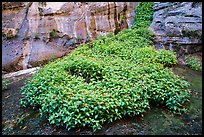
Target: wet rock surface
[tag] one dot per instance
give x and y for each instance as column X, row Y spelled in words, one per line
column 38, row 31
column 178, row 26
column 156, row 121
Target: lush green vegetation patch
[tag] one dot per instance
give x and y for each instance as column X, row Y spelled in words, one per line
column 107, row 79
column 193, row 63
column 4, row 83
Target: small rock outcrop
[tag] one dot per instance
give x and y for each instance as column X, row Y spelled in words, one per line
column 178, row 26
column 35, row 32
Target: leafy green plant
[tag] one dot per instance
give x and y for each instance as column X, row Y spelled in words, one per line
column 11, row 33
column 107, row 79
column 53, row 33
column 110, row 34
column 4, row 83
column 193, row 63
column 20, row 119
column 9, row 36
column 143, row 16
column 36, row 36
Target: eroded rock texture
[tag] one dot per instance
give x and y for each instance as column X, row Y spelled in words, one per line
column 178, row 26
column 35, row 32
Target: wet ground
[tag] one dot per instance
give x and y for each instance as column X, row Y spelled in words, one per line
column 156, row 121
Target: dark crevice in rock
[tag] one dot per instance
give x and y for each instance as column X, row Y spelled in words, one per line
column 12, row 5
column 109, row 16
column 93, row 26
column 25, row 21
column 175, row 14
column 164, row 5
column 50, row 14
column 195, row 16
column 117, row 29
column 124, row 17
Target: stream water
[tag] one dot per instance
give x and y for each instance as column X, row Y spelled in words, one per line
column 156, row 121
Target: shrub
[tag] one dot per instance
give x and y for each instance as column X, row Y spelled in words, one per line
column 4, row 83
column 105, row 80
column 9, row 35
column 143, row 16
column 110, row 34
column 193, row 63
column 166, row 57
column 54, row 33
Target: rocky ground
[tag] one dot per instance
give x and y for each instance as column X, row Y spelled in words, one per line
column 156, row 121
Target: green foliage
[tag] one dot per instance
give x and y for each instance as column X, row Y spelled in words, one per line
column 193, row 63
column 20, row 120
column 9, row 36
column 167, row 57
column 36, row 35
column 4, row 83
column 53, row 33
column 107, row 79
column 110, row 34
column 143, row 17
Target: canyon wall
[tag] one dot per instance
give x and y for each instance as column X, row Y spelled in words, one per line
column 35, row 32
column 178, row 26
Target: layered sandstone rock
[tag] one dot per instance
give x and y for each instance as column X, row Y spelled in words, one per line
column 34, row 32
column 178, row 26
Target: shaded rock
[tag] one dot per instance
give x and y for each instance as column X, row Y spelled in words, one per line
column 178, row 24
column 69, row 43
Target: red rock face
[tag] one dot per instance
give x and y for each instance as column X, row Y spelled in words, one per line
column 47, row 29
